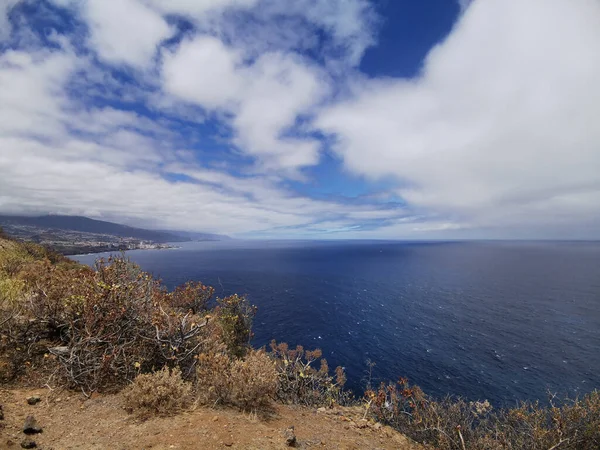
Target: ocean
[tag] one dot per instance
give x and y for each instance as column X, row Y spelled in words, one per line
column 503, row 321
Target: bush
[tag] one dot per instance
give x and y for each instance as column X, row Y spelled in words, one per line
column 192, row 296
column 213, row 384
column 253, row 380
column 301, row 383
column 101, row 327
column 12, row 357
column 21, row 334
column 13, row 256
column 235, row 315
column 249, row 382
column 105, row 320
column 453, row 423
column 160, row 393
column 12, row 290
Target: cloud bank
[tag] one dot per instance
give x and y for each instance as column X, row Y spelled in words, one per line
column 500, row 129
column 225, row 115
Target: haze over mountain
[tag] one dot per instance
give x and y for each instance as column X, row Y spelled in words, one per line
column 41, row 224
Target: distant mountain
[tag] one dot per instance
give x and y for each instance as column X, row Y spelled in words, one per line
column 87, row 225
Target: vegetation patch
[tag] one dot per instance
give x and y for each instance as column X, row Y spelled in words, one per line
column 453, row 423
column 304, row 377
column 160, row 393
column 115, row 326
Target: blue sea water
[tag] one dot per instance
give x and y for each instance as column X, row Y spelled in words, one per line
column 502, row 321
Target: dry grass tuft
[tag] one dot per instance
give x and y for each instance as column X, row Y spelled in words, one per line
column 159, row 393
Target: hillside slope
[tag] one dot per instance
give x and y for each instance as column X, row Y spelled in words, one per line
column 87, row 225
column 71, row 235
column 71, row 421
column 116, row 300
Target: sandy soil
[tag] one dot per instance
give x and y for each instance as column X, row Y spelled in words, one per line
column 70, row 421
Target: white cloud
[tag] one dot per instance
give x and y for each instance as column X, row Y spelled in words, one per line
column 124, row 31
column 257, row 26
column 204, row 71
column 500, row 130
column 264, row 98
column 349, row 22
column 349, row 26
column 39, row 178
column 33, row 91
column 241, row 60
column 197, row 9
column 279, row 89
column 497, row 137
column 61, row 155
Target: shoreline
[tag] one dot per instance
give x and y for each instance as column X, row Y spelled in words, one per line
column 116, row 250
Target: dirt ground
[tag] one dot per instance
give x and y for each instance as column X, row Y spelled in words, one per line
column 70, row 421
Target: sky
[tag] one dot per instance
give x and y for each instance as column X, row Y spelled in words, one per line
column 320, row 119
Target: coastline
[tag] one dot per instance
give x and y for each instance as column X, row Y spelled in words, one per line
column 93, row 250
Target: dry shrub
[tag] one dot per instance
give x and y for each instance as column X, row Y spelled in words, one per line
column 96, row 329
column 569, row 424
column 453, row 423
column 180, row 337
column 99, row 328
column 213, row 384
column 107, row 327
column 249, row 382
column 253, row 380
column 12, row 291
column 160, row 393
column 18, row 336
column 57, row 293
column 302, row 383
column 192, row 296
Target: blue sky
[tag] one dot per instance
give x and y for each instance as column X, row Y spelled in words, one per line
column 316, row 119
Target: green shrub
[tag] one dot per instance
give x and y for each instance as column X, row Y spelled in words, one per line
column 235, row 315
column 12, row 291
column 13, row 256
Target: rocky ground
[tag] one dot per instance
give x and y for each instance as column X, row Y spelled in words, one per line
column 70, row 421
